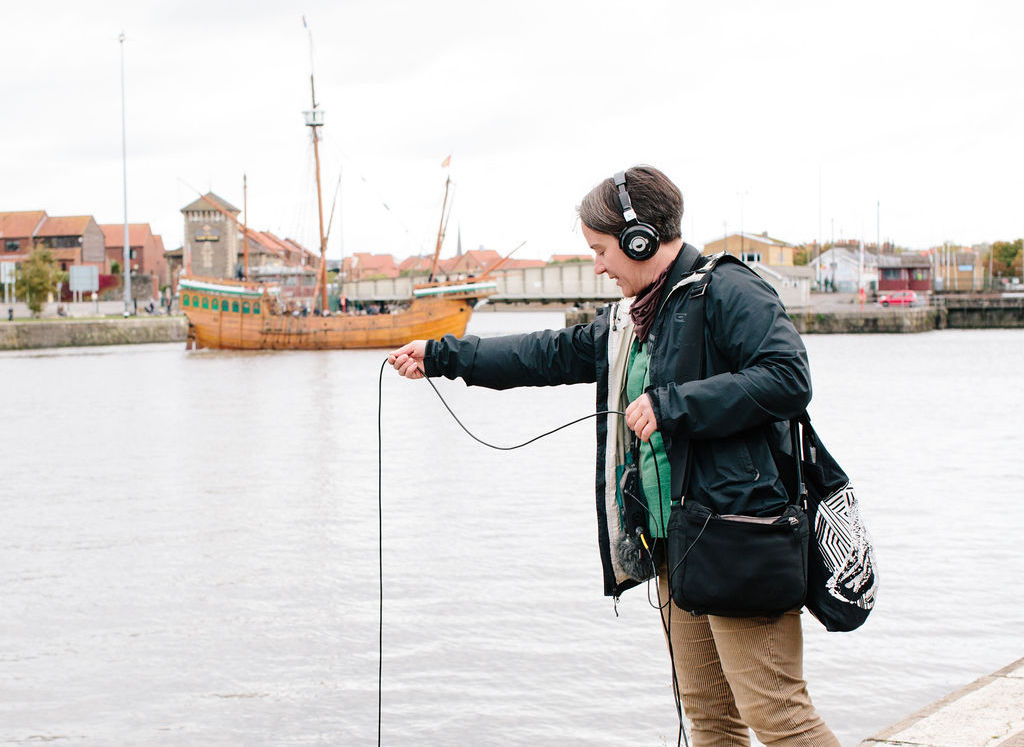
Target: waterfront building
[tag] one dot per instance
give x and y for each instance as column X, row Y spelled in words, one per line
column 754, row 248
column 215, row 247
column 368, row 266
column 415, row 265
column 772, row 259
column 841, row 269
column 466, row 264
column 72, row 240
column 212, row 242
column 909, row 271
column 146, row 251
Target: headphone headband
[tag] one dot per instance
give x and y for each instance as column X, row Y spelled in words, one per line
column 638, row 240
column 627, row 206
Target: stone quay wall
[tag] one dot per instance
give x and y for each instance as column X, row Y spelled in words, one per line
column 69, row 333
column 965, row 314
column 886, row 321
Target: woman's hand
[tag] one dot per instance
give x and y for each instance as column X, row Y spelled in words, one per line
column 640, row 418
column 408, row 359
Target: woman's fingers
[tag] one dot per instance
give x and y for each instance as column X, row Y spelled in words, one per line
column 640, row 418
column 408, row 359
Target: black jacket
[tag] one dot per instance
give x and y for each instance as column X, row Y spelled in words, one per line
column 755, row 378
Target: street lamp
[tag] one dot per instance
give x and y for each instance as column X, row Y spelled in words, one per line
column 126, row 268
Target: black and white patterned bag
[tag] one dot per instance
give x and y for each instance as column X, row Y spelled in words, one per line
column 842, row 579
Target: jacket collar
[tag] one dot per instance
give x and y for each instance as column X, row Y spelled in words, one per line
column 688, row 260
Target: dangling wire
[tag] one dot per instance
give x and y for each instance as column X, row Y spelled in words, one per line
column 682, row 736
column 524, row 443
column 380, row 548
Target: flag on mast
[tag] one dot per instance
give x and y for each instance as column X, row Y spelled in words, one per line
column 446, row 162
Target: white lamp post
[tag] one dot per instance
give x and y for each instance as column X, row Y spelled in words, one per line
column 126, row 267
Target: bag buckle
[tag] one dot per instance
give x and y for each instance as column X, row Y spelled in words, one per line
column 698, row 291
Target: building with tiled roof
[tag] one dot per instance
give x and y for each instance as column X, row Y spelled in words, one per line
column 415, row 265
column 146, row 250
column 17, row 230
column 754, row 248
column 73, row 240
column 519, row 264
column 472, row 262
column 364, row 266
column 201, row 204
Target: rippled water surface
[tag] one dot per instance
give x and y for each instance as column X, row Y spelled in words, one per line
column 189, row 548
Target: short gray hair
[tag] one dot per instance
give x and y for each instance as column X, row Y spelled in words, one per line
column 656, row 200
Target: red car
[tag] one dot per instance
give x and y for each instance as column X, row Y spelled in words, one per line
column 898, row 298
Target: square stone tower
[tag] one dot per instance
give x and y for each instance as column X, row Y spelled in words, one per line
column 211, row 239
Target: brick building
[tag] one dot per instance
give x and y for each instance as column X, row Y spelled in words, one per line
column 73, row 240
column 146, row 250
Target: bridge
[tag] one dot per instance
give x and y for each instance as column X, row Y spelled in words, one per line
column 570, row 283
column 566, row 283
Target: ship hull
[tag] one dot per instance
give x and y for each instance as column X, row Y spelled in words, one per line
column 239, row 316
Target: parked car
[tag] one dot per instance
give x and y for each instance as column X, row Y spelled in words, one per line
column 898, row 298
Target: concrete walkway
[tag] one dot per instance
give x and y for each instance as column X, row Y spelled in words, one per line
column 73, row 310
column 987, row 713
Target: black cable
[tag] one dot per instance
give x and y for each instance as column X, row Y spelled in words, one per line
column 380, row 548
column 524, row 443
column 681, row 735
column 661, row 513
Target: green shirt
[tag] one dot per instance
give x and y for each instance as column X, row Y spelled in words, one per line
column 655, row 468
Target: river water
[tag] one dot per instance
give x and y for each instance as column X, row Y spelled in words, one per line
column 189, row 548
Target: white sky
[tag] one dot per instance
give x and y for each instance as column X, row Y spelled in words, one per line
column 747, row 105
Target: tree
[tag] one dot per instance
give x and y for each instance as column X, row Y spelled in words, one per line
column 1005, row 253
column 38, row 274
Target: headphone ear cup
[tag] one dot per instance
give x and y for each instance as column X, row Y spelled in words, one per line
column 639, row 241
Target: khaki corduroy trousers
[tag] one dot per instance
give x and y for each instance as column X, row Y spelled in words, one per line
column 736, row 673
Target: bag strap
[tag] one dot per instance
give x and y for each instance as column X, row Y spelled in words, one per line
column 693, row 341
column 798, row 454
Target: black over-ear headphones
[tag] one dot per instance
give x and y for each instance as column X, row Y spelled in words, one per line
column 637, row 240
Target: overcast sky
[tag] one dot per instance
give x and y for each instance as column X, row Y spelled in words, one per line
column 794, row 118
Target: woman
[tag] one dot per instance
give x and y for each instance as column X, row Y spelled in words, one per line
column 719, row 425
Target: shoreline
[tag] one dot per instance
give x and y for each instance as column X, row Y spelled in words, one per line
column 986, row 713
column 62, row 333
column 831, row 316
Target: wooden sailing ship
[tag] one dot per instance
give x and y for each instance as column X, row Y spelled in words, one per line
column 238, row 315
column 244, row 315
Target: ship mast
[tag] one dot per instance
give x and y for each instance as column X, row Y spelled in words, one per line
column 314, row 120
column 245, row 228
column 440, row 230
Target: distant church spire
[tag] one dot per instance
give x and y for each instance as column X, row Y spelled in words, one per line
column 458, row 249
